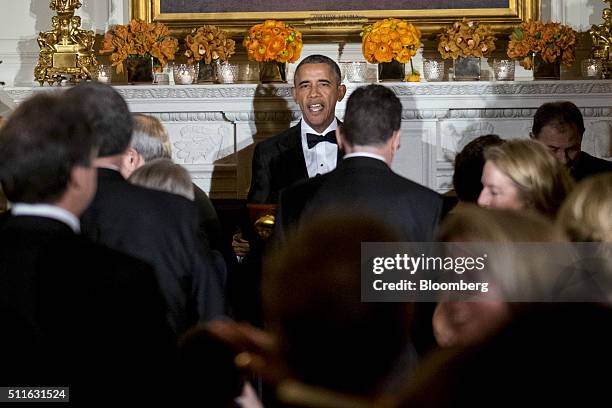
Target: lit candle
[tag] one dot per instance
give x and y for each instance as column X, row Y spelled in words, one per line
column 103, row 77
column 185, row 77
column 592, row 70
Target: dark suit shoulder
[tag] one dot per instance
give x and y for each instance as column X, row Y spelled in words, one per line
column 588, row 165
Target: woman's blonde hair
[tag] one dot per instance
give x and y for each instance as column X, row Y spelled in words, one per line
column 164, row 175
column 586, row 214
column 543, row 182
column 150, row 137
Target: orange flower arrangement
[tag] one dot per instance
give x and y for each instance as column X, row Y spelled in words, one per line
column 208, row 43
column 139, row 38
column 273, row 41
column 551, row 40
column 390, row 39
column 466, row 39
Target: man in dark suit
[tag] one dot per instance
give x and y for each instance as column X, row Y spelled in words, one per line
column 303, row 151
column 154, row 226
column 73, row 313
column 306, row 149
column 560, row 126
column 363, row 181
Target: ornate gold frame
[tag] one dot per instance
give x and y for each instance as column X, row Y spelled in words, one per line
column 339, row 24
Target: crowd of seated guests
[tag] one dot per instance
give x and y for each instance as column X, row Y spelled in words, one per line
column 113, row 268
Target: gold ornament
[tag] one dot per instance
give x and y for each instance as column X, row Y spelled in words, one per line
column 67, row 50
column 602, row 40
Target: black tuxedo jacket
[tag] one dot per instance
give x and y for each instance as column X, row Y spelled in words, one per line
column 363, row 185
column 161, row 229
column 278, row 162
column 588, row 165
column 79, row 314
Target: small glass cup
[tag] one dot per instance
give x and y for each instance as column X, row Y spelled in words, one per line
column 356, row 71
column 591, row 68
column 103, row 73
column 503, row 69
column 248, row 72
column 433, row 69
column 184, row 74
column 227, row 73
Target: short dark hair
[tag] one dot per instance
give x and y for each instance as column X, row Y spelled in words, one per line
column 469, row 163
column 41, row 142
column 372, row 114
column 312, row 301
column 322, row 59
column 560, row 113
column 108, row 114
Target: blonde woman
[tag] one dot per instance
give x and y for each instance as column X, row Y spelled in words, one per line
column 514, row 270
column 523, row 174
column 586, row 215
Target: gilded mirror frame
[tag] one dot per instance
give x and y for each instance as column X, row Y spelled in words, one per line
column 318, row 26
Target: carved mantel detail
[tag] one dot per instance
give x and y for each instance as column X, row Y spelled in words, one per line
column 213, row 127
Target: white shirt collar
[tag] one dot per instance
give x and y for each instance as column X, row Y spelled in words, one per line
column 305, row 128
column 48, row 211
column 365, row 154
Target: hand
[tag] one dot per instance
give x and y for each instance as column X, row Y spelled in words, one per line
column 240, row 245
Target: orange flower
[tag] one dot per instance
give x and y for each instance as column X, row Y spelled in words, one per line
column 139, row 38
column 390, row 39
column 553, row 41
column 208, row 43
column 466, row 39
column 273, row 41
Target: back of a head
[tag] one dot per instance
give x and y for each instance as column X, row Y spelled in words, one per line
column 372, row 114
column 473, row 223
column 42, row 141
column 312, row 300
column 164, row 175
column 559, row 114
column 108, row 114
column 586, row 215
column 468, row 167
column 150, row 138
column 543, row 182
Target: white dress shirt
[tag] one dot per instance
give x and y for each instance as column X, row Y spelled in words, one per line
column 47, row 211
column 321, row 158
column 365, row 154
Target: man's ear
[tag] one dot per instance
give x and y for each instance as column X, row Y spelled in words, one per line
column 341, row 92
column 395, row 140
column 340, row 138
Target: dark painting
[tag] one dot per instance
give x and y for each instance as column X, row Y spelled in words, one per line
column 235, row 6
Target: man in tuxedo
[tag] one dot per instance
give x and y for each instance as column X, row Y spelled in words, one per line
column 306, row 149
column 73, row 313
column 303, row 151
column 154, row 226
column 363, row 181
column 560, row 126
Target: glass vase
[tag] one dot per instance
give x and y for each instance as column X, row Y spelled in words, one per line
column 272, row 71
column 206, row 72
column 467, row 69
column 391, row 71
column 543, row 70
column 139, row 69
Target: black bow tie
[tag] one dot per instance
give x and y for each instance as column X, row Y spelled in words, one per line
column 312, row 139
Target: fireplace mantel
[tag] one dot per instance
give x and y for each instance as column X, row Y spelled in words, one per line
column 214, row 127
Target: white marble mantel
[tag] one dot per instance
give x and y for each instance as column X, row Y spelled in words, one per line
column 214, row 127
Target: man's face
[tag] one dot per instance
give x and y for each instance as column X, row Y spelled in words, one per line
column 563, row 141
column 316, row 91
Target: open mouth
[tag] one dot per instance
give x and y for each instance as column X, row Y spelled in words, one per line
column 316, row 107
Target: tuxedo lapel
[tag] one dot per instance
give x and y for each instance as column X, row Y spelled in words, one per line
column 292, row 161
